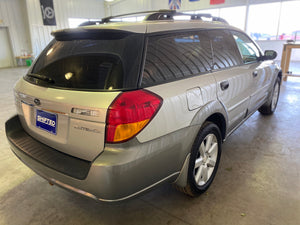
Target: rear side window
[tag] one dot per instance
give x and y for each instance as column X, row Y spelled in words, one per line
column 225, row 52
column 175, row 56
column 250, row 53
column 102, row 64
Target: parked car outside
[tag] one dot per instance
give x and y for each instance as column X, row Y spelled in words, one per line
column 112, row 110
column 295, row 35
column 261, row 36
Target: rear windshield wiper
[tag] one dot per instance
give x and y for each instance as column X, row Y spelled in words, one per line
column 41, row 77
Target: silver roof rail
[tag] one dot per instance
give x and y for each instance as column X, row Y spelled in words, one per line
column 159, row 15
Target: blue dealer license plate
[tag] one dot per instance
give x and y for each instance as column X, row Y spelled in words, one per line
column 46, row 121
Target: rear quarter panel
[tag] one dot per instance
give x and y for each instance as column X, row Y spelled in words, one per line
column 181, row 102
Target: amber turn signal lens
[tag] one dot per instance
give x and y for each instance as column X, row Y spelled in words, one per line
column 125, row 131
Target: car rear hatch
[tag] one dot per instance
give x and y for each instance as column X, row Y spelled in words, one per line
column 63, row 100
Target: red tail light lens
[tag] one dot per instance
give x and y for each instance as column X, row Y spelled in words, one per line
column 129, row 113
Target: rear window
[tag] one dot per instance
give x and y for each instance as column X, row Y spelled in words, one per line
column 99, row 64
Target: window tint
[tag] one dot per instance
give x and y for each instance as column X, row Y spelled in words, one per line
column 172, row 57
column 86, row 72
column 225, row 52
column 95, row 63
column 248, row 50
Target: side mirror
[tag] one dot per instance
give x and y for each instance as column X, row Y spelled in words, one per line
column 269, row 55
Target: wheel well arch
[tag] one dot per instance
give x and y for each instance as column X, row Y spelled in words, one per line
column 219, row 120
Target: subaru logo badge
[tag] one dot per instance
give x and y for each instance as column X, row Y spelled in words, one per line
column 37, row 101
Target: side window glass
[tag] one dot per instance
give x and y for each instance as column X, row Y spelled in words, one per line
column 175, row 56
column 225, row 52
column 248, row 50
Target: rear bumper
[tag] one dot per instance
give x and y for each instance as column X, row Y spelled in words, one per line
column 61, row 162
column 120, row 172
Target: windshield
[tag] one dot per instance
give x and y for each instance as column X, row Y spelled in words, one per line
column 90, row 64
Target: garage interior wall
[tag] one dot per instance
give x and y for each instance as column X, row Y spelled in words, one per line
column 40, row 34
column 13, row 16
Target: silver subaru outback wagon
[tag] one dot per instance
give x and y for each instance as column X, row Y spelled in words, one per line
column 112, row 110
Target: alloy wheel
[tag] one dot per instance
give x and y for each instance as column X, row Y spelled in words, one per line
column 206, row 159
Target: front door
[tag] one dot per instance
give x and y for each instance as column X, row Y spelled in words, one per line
column 233, row 82
column 259, row 70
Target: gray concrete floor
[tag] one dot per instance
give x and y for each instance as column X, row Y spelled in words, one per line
column 258, row 181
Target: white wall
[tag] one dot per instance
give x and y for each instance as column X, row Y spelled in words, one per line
column 13, row 15
column 64, row 9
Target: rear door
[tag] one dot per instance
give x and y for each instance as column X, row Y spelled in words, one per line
column 259, row 71
column 233, row 82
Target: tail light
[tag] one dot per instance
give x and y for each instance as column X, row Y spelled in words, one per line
column 129, row 113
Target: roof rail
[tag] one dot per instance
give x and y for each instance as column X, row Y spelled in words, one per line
column 169, row 15
column 108, row 19
column 163, row 14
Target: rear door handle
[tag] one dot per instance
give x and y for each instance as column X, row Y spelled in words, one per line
column 255, row 73
column 224, row 85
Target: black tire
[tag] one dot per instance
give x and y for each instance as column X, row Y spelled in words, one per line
column 194, row 188
column 270, row 106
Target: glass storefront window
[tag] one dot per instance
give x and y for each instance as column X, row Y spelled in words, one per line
column 289, row 27
column 213, row 12
column 235, row 16
column 263, row 21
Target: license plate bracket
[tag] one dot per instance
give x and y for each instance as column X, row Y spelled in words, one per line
column 46, row 121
